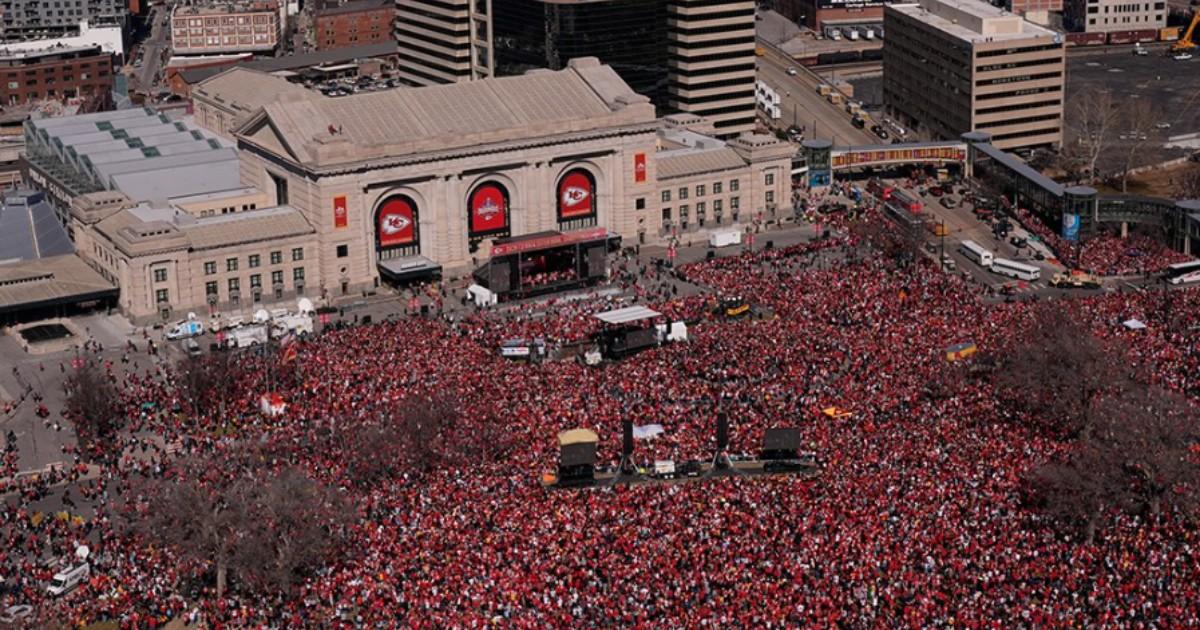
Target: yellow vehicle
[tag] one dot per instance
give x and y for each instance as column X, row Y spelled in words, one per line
column 1074, row 280
column 1185, row 41
column 760, row 51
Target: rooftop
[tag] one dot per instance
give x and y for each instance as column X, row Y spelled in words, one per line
column 148, row 228
column 973, row 20
column 324, row 132
column 337, row 7
column 213, row 8
column 29, row 228
column 48, row 281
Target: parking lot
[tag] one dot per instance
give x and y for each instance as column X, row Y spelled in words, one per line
column 1169, row 85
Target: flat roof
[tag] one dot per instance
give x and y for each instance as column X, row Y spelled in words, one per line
column 1021, row 168
column 627, row 314
column 29, row 228
column 61, row 279
column 973, row 20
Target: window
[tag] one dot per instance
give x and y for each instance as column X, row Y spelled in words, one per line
column 210, row 268
column 160, row 275
column 277, row 277
column 770, row 196
column 297, row 253
column 281, row 189
column 639, row 203
column 666, row 214
column 716, row 188
column 717, row 206
column 733, row 185
column 298, row 274
column 735, row 203
column 683, row 193
column 700, row 190
column 253, row 260
column 683, row 212
column 230, row 264
column 234, row 285
column 210, row 288
column 770, row 179
column 256, row 281
column 276, row 258
column 161, row 296
column 666, row 196
column 343, row 251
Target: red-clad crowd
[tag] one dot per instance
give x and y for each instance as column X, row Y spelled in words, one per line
column 915, row 519
column 1105, row 254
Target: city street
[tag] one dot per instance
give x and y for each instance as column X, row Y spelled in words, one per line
column 146, row 75
column 803, row 106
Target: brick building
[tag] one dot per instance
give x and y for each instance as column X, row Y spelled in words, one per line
column 227, row 27
column 821, row 15
column 345, row 24
column 56, row 73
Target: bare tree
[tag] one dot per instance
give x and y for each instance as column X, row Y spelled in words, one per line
column 1081, row 490
column 93, row 406
column 1138, row 118
column 1151, row 431
column 207, row 379
column 297, row 522
column 1187, row 185
column 1056, row 371
column 200, row 512
column 1094, row 113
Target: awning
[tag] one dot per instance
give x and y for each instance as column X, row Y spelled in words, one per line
column 409, row 268
column 577, row 436
column 626, row 315
column 1134, row 324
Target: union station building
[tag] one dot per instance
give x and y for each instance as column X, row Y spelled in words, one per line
column 335, row 196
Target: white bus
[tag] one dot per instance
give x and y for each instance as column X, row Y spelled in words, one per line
column 977, row 253
column 1180, row 273
column 1014, row 269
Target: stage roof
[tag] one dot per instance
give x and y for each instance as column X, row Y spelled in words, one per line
column 577, row 436
column 626, row 315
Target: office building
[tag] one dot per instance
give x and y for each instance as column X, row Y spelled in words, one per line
column 952, row 66
column 627, row 35
column 444, row 41
column 64, row 74
column 1107, row 16
column 710, row 54
column 226, row 27
column 347, row 24
column 23, row 20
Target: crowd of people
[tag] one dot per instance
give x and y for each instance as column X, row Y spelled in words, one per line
column 915, row 518
column 1104, row 254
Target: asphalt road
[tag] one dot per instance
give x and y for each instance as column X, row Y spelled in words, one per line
column 801, row 103
column 147, row 74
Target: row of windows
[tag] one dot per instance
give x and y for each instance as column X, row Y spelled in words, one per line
column 1013, row 108
column 1017, row 121
column 701, row 189
column 718, row 207
column 235, row 284
column 253, row 261
column 1028, row 77
column 1013, row 51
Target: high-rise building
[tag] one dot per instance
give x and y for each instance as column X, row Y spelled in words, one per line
column 952, row 66
column 627, row 35
column 29, row 19
column 710, row 54
column 693, row 56
column 210, row 27
column 444, row 41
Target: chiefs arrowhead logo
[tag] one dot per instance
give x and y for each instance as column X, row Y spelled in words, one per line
column 395, row 223
column 574, row 195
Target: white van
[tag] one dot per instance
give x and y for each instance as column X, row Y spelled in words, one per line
column 66, row 580
column 246, row 336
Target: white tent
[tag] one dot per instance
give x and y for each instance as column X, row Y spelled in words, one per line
column 1134, row 324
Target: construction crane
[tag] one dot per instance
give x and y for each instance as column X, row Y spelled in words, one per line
column 1185, row 42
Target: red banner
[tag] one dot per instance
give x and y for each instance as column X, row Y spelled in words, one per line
column 546, row 242
column 576, row 195
column 639, row 167
column 340, row 212
column 397, row 222
column 489, row 209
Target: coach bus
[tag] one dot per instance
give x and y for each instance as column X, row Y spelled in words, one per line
column 976, row 253
column 1014, row 269
column 1180, row 273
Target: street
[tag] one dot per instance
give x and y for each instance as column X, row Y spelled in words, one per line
column 146, row 73
column 803, row 106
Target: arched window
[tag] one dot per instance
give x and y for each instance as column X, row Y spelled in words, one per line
column 396, row 224
column 488, row 210
column 576, row 195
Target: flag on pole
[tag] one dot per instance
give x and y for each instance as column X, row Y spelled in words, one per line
column 287, row 348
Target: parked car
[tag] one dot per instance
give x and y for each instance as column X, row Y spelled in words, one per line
column 880, row 131
column 936, row 191
column 16, row 613
column 858, row 121
column 948, row 202
column 1018, row 242
column 792, row 71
